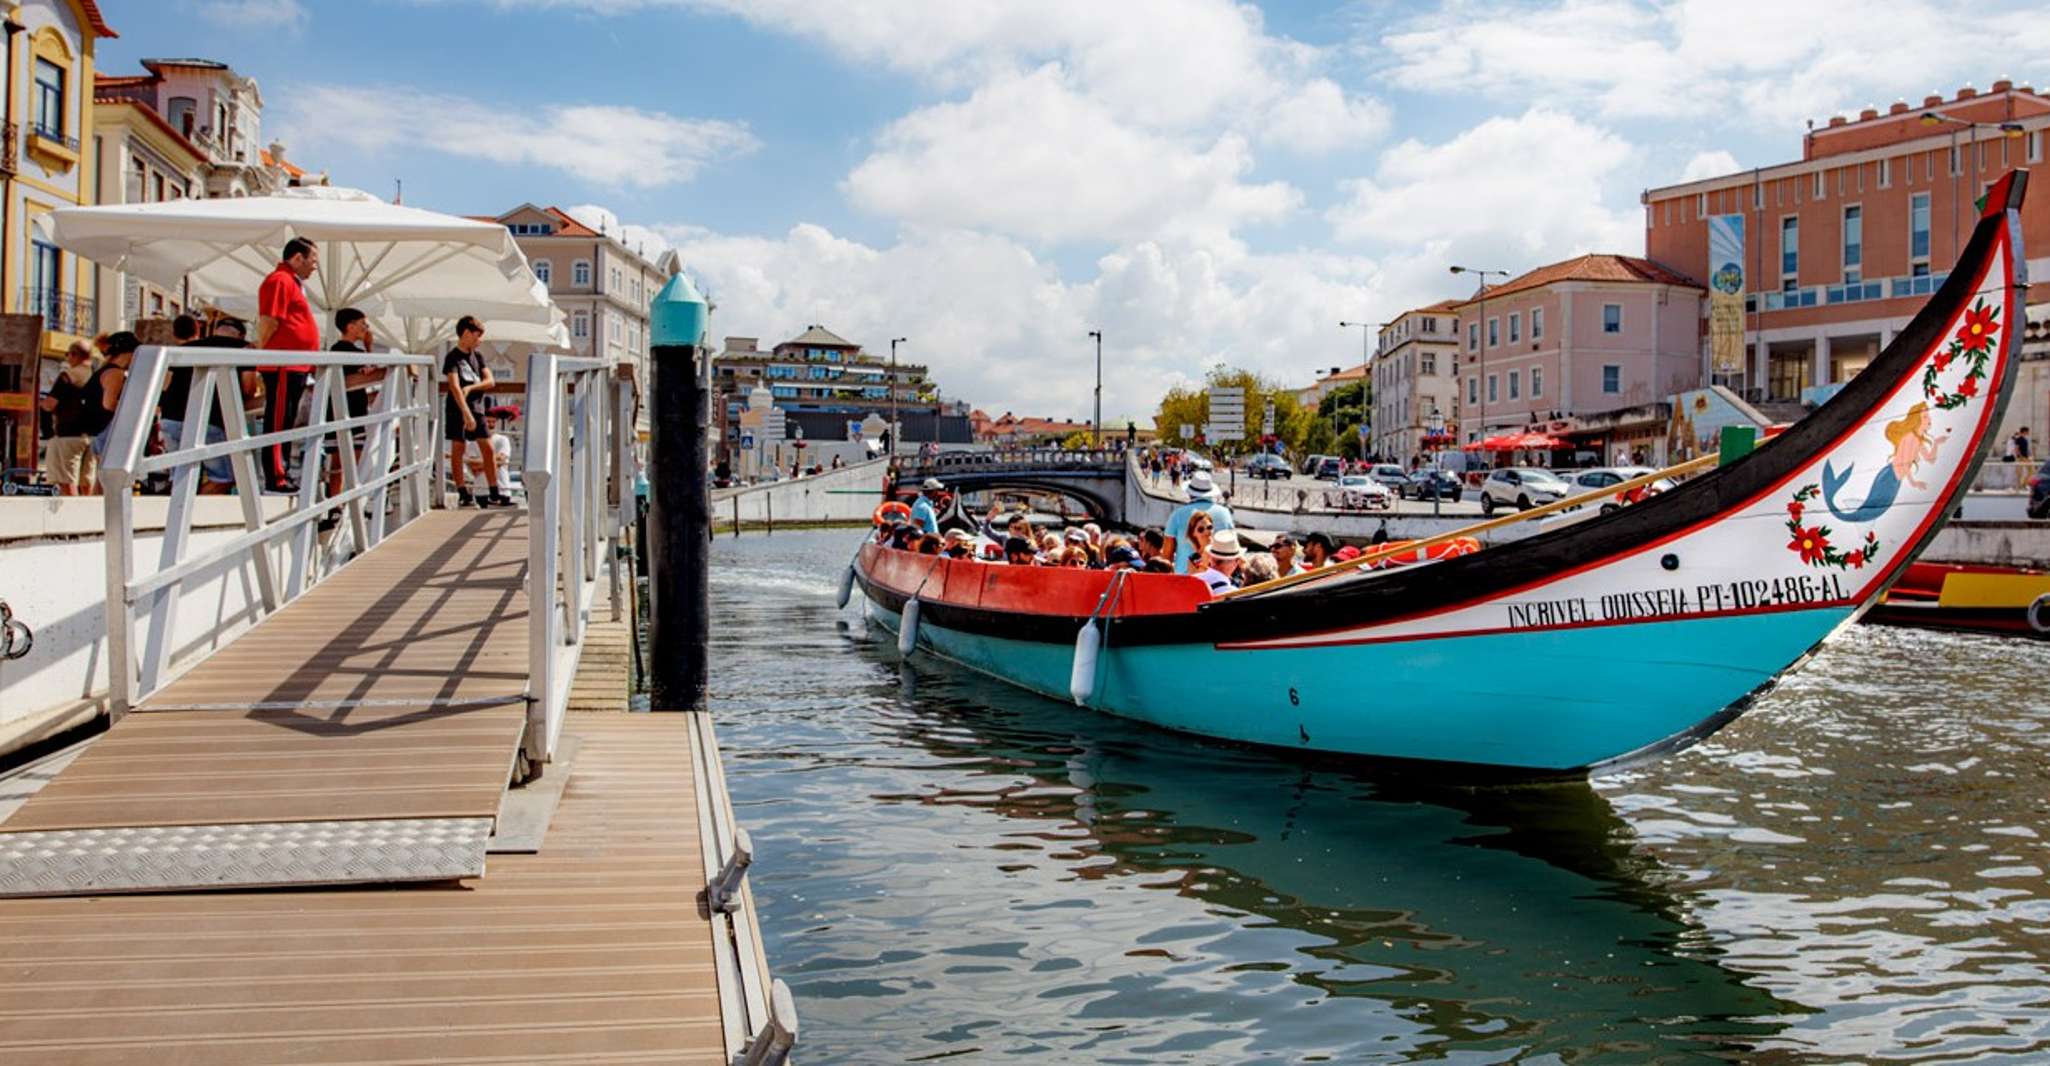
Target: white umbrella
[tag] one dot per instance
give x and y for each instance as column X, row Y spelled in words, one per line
column 392, row 261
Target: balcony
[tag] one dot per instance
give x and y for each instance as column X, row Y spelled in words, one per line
column 52, row 147
column 61, row 311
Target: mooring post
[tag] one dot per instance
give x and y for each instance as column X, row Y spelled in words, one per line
column 679, row 499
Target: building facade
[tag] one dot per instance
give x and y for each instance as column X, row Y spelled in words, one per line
column 1414, row 369
column 1336, row 378
column 142, row 159
column 46, row 162
column 1842, row 246
column 820, row 375
column 220, row 113
column 1573, row 343
column 602, row 285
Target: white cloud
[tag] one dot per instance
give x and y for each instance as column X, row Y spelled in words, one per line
column 1031, row 157
column 1322, row 117
column 1709, row 165
column 646, row 240
column 604, row 144
column 1764, row 63
column 274, row 15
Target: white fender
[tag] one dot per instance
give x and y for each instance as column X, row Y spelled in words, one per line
column 907, row 627
column 847, row 586
column 2038, row 613
column 1082, row 678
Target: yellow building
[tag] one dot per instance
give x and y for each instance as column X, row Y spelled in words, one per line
column 46, row 162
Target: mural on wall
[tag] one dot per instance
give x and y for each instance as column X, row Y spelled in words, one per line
column 1699, row 416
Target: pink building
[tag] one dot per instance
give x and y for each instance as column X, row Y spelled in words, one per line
column 1586, row 349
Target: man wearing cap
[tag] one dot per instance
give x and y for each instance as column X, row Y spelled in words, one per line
column 958, row 545
column 922, row 514
column 1225, row 554
column 1202, row 497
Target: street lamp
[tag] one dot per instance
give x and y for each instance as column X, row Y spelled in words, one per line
column 1957, row 162
column 1366, row 362
column 894, row 342
column 1434, row 423
column 1481, row 331
column 1096, row 421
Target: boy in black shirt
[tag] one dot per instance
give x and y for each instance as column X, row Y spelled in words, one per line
column 469, row 382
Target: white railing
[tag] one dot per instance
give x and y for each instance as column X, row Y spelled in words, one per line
column 580, row 499
column 386, row 486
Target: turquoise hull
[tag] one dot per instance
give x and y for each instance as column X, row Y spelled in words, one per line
column 1556, row 701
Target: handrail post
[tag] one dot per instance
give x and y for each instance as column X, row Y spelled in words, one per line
column 544, row 506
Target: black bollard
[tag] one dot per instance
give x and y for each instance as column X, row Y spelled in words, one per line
column 679, row 501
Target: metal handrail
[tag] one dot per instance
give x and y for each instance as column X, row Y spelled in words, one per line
column 578, row 472
column 391, row 474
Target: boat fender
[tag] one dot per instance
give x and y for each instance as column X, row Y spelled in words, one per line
column 1082, row 678
column 907, row 628
column 846, row 585
column 2039, row 614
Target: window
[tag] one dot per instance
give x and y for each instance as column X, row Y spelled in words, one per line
column 1822, row 190
column 1537, row 382
column 1669, row 215
column 1515, row 326
column 531, row 229
column 1885, row 173
column 580, row 272
column 1473, row 336
column 1701, row 205
column 1537, row 325
column 1494, row 334
column 1430, row 364
column 1790, row 247
column 544, row 270
column 1854, row 243
column 1612, row 378
column 1918, row 227
column 42, row 268
column 1430, row 325
column 1516, row 384
column 2035, row 143
column 1492, row 396
column 49, row 99
column 1955, row 169
column 1612, row 318
column 580, row 324
column 1473, row 390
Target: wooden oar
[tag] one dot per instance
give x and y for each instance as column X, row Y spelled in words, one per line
column 1375, row 556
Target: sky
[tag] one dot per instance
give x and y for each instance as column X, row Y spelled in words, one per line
column 1205, row 181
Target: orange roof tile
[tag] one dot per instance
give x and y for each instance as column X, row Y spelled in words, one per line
column 98, row 21
column 1594, row 266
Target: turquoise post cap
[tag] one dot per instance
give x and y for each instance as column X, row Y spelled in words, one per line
column 677, row 316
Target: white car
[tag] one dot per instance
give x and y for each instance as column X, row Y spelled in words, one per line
column 1360, row 492
column 1601, row 477
column 1521, row 487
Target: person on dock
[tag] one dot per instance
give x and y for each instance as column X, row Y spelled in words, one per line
column 104, row 392
column 217, row 475
column 68, row 460
column 284, row 323
column 922, row 514
column 469, row 383
column 1202, row 500
column 1221, row 559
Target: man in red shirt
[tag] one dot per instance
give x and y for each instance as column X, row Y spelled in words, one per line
column 284, row 323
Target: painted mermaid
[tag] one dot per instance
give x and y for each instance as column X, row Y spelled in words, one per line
column 1912, row 446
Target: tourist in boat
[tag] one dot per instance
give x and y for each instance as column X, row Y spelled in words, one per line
column 1317, row 550
column 1286, row 564
column 1019, row 552
column 1153, row 545
column 922, row 514
column 1258, row 567
column 1074, row 557
column 1122, row 556
column 1221, row 557
column 958, row 545
column 1201, row 530
column 1202, row 500
column 928, row 543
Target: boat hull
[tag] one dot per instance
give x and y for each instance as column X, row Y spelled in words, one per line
column 1996, row 600
column 1558, row 702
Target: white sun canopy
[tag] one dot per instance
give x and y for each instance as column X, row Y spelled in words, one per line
column 392, row 261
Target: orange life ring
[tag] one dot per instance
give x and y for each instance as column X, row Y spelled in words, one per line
column 889, row 507
column 1403, row 555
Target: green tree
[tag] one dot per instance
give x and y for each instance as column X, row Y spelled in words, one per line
column 1293, row 424
column 1076, row 441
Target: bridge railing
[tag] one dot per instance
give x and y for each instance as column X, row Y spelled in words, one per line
column 579, row 479
column 385, row 483
column 1014, row 457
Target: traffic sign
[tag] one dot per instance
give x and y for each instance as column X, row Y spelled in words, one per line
column 1188, row 431
column 1227, row 413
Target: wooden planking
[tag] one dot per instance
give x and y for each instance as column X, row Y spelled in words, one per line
column 595, row 950
column 230, row 767
column 437, row 613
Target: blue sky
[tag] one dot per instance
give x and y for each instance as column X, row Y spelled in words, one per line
column 1206, row 181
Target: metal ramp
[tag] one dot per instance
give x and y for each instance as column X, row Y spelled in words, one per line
column 364, row 733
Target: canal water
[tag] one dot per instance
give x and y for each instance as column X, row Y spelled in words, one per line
column 952, row 869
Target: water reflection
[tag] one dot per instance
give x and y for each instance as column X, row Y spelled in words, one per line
column 952, row 867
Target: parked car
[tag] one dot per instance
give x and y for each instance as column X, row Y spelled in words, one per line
column 1601, row 477
column 1389, row 474
column 1267, row 465
column 1432, row 485
column 1313, row 464
column 1330, row 469
column 1521, row 487
column 1359, row 491
column 2039, row 492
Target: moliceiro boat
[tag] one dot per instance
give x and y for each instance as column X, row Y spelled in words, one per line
column 1611, row 639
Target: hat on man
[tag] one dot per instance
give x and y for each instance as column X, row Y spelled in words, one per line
column 1200, row 485
column 1076, row 535
column 1123, row 555
column 957, row 534
column 1225, row 545
column 932, row 484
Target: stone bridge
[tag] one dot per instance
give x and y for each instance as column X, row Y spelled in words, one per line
column 1095, row 478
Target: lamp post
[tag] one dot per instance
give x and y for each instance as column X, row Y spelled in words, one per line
column 1481, row 331
column 894, row 342
column 1435, row 425
column 1096, row 421
column 1366, row 362
column 1957, row 162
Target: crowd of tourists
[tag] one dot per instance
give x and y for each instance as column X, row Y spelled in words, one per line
column 1199, row 539
column 78, row 406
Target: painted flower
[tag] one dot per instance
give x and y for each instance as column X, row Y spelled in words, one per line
column 1810, row 542
column 1942, row 361
column 1979, row 327
column 1794, row 510
column 1968, row 387
column 1855, row 559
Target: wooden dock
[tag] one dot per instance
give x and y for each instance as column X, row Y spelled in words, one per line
column 390, row 696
